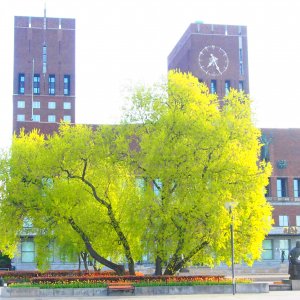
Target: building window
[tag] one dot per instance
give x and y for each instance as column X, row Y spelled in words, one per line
column 44, row 59
column 21, row 118
column 284, row 249
column 27, row 223
column 66, row 85
column 36, row 118
column 282, row 187
column 36, row 84
column 51, row 105
column 241, row 54
column 67, row 105
column 36, row 104
column 241, row 69
column 241, row 85
column 157, row 186
column 213, row 86
column 283, row 221
column 51, row 80
column 296, row 187
column 227, row 87
column 21, row 104
column 298, row 221
column 27, row 251
column 21, row 83
column 267, row 249
column 51, row 118
column 140, row 183
column 67, row 119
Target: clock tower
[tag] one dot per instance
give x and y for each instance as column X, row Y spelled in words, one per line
column 215, row 54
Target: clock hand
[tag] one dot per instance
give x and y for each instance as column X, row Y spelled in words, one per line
column 217, row 67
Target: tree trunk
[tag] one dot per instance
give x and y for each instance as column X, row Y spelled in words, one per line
column 158, row 266
column 79, row 262
column 119, row 269
column 84, row 256
column 175, row 265
column 115, row 224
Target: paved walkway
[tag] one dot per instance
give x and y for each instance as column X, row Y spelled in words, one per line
column 284, row 295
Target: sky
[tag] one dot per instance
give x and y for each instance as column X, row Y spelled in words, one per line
column 122, row 43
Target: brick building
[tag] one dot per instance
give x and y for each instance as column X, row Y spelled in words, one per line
column 215, row 54
column 44, row 73
column 43, row 95
column 218, row 56
column 282, row 149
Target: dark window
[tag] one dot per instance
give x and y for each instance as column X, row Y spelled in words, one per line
column 21, row 88
column 51, row 84
column 66, row 85
column 36, row 84
column 227, row 87
column 213, row 86
column 282, row 187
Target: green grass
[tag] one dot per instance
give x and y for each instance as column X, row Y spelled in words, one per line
column 81, row 284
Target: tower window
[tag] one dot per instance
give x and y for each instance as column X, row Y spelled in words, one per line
column 36, row 118
column 44, row 59
column 67, row 105
column 36, row 84
column 21, row 118
column 21, row 88
column 36, row 104
column 66, row 85
column 51, row 84
column 241, row 85
column 67, row 118
column 51, row 118
column 227, row 87
column 21, row 104
column 241, row 68
column 213, row 86
column 51, row 105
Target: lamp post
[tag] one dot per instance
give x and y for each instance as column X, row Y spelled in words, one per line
column 229, row 206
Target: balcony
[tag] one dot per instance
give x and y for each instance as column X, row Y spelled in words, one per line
column 285, row 230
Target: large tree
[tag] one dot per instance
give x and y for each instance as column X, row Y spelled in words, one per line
column 191, row 152
column 74, row 184
column 199, row 153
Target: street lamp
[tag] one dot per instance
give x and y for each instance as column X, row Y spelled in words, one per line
column 229, row 206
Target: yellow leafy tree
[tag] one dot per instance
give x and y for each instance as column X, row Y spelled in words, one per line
column 196, row 154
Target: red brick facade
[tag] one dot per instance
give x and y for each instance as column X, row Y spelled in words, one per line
column 187, row 55
column 45, row 48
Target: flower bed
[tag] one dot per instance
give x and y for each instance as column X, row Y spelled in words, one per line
column 25, row 276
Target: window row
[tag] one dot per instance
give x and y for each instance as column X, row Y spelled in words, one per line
column 269, row 251
column 282, row 190
column 283, row 221
column 29, row 248
column 37, row 118
column 227, row 86
column 37, row 104
column 36, row 84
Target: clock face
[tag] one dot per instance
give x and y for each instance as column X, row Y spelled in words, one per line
column 213, row 60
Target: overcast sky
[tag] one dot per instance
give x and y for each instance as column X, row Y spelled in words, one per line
column 120, row 43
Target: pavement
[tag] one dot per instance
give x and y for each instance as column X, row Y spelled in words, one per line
column 282, row 295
